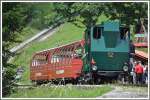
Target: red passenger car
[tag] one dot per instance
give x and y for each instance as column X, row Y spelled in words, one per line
column 61, row 62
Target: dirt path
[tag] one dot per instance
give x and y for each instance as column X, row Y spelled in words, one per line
column 127, row 92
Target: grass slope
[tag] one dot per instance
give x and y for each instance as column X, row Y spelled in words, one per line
column 25, row 34
column 68, row 91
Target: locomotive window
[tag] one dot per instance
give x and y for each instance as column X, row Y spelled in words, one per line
column 123, row 33
column 96, row 33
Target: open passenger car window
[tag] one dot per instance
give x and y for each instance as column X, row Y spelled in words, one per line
column 39, row 60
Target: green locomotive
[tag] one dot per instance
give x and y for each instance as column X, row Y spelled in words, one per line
column 108, row 45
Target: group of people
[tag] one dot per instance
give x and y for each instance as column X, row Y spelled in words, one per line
column 139, row 73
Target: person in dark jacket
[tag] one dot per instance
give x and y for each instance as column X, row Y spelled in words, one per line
column 132, row 47
column 132, row 53
column 145, row 74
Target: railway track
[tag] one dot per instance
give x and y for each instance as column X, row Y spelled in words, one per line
column 30, row 86
column 118, row 90
column 53, row 86
column 39, row 36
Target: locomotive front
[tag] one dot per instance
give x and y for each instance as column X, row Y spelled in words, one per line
column 109, row 48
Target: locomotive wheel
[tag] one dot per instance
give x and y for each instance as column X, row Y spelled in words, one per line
column 75, row 81
column 37, row 82
column 99, row 80
column 85, row 79
column 123, row 79
column 120, row 79
column 33, row 82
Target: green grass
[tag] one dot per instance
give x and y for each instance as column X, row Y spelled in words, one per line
column 25, row 34
column 66, row 33
column 67, row 91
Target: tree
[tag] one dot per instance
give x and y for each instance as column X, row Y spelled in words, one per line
column 86, row 13
column 127, row 13
column 14, row 16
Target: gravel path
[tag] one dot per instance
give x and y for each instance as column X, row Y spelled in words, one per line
column 127, row 92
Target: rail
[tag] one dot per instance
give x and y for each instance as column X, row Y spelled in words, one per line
column 37, row 36
column 23, row 44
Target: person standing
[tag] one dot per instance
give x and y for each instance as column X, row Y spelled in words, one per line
column 133, row 74
column 145, row 75
column 132, row 52
column 139, row 72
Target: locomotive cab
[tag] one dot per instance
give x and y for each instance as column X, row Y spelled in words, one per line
column 110, row 48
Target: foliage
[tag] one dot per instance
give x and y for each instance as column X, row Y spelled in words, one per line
column 15, row 17
column 67, row 91
column 88, row 12
column 127, row 13
column 43, row 15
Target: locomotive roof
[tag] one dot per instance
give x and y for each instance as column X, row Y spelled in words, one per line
column 121, row 25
